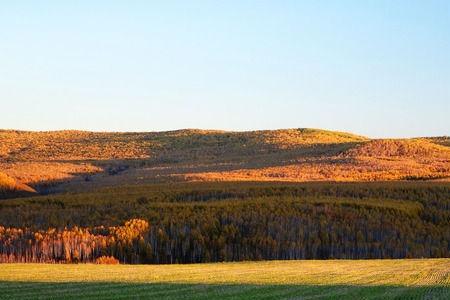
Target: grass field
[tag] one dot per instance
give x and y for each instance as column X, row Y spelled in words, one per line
column 332, row 279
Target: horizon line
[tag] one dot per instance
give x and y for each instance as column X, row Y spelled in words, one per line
column 218, row 131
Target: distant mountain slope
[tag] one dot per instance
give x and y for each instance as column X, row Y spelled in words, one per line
column 89, row 159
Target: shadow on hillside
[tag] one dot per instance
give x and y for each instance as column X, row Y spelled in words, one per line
column 162, row 168
column 123, row 290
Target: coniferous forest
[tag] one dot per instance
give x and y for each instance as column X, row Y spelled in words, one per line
column 212, row 222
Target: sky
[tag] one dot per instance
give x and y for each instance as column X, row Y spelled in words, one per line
column 375, row 68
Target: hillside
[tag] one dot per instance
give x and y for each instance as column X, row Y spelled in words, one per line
column 441, row 140
column 416, row 148
column 74, row 159
column 374, row 160
column 179, row 145
column 9, row 187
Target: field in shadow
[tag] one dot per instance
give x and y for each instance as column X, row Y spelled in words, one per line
column 124, row 290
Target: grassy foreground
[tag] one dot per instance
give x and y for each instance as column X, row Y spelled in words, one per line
column 332, row 279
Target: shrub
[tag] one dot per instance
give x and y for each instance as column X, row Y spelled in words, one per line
column 107, row 260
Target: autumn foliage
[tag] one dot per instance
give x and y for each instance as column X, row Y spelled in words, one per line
column 73, row 245
column 107, row 260
column 10, row 188
column 76, row 159
column 210, row 222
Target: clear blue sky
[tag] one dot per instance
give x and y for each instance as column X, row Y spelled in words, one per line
column 377, row 68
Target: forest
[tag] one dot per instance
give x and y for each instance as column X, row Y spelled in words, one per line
column 212, row 222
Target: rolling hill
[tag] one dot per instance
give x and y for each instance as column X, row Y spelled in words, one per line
column 66, row 160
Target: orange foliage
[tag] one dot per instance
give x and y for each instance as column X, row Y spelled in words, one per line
column 107, row 260
column 70, row 245
column 267, row 155
column 371, row 161
column 9, row 186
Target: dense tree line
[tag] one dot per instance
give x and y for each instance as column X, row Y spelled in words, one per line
column 230, row 222
column 75, row 244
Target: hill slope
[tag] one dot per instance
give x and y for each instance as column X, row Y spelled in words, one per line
column 187, row 144
column 90, row 159
column 383, row 159
column 9, row 187
column 414, row 148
